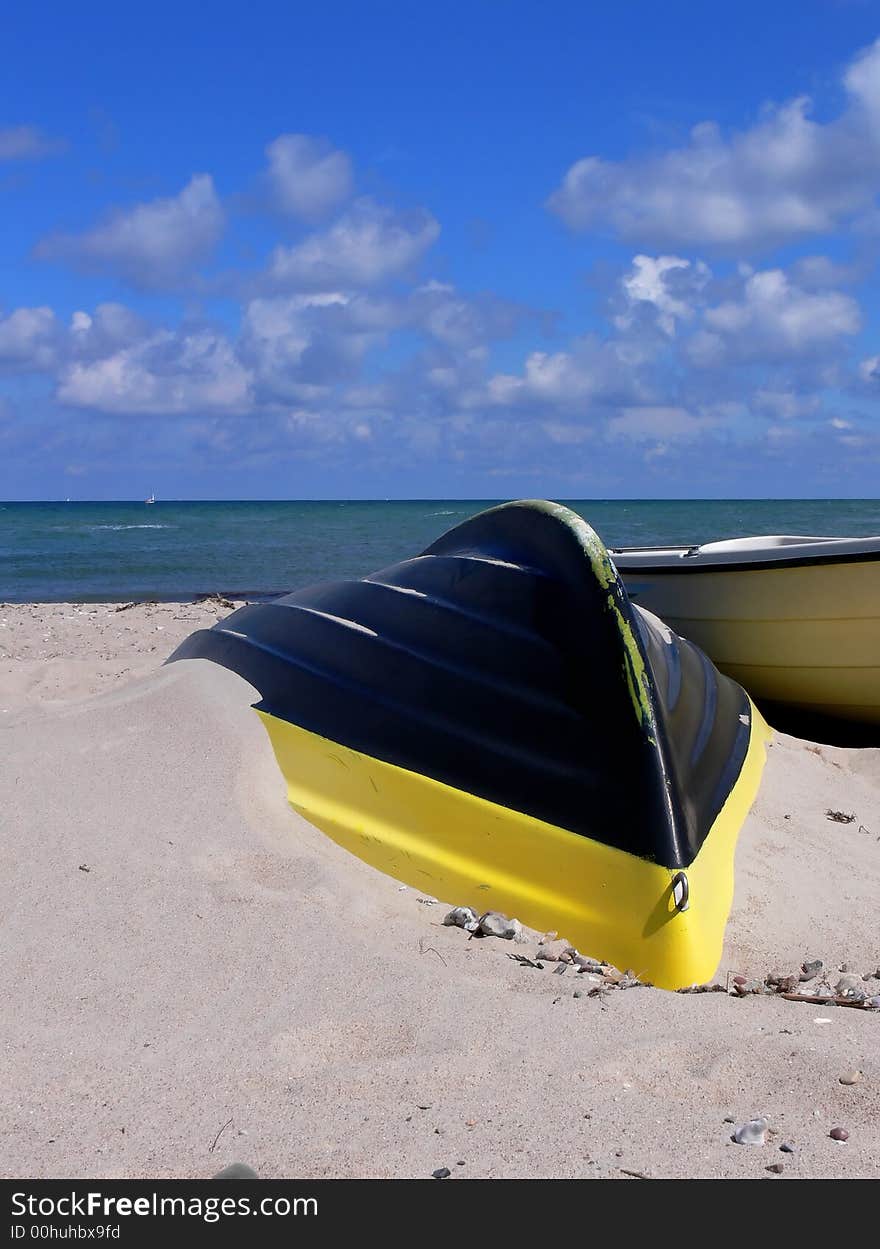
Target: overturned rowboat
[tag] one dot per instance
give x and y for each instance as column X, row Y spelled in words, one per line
column 494, row 723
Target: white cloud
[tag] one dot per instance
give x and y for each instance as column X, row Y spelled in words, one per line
column 773, row 319
column 785, row 404
column 154, row 244
column 34, row 340
column 785, row 177
column 645, row 424
column 166, row 374
column 307, row 177
column 591, row 370
column 28, row 340
column 567, row 434
column 105, row 330
column 862, row 81
column 459, row 320
column 299, row 345
column 666, row 284
column 368, row 245
column 308, row 365
column 27, row 143
column 819, row 273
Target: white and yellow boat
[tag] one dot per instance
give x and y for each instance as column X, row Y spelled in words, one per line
column 793, row 619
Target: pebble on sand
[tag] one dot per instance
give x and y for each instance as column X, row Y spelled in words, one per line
column 494, row 924
column 751, row 1133
column 555, row 951
column 442, row 1173
column 851, row 1077
column 749, row 987
column 850, row 986
column 462, row 917
column 237, row 1171
column 588, row 964
column 839, row 1134
column 783, row 982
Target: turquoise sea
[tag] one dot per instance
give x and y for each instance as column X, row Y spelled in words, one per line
column 176, row 550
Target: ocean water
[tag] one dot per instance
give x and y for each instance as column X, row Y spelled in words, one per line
column 175, row 550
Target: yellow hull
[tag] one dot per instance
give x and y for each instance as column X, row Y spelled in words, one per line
column 469, row 851
column 808, row 637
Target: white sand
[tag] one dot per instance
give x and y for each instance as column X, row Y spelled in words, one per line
column 222, row 965
column 55, row 653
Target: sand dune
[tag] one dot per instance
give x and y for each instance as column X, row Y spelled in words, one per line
column 193, row 975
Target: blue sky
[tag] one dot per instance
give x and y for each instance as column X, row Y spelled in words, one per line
column 483, row 249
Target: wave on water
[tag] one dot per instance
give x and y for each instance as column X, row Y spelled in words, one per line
column 115, row 527
column 446, row 513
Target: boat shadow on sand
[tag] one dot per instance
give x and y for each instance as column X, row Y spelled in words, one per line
column 818, row 728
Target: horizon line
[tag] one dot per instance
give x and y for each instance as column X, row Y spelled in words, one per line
column 753, row 498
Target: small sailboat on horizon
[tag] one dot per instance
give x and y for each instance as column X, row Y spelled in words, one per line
column 151, row 499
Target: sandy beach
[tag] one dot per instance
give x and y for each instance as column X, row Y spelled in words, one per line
column 195, row 976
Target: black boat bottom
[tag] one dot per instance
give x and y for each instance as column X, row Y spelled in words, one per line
column 494, row 723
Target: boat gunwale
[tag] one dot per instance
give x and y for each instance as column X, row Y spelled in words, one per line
column 768, row 563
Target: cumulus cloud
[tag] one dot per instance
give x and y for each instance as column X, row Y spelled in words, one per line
column 307, row 177
column 667, row 285
column 299, row 345
column 105, row 330
column 309, row 364
column 785, row 404
column 28, row 340
column 570, row 434
column 35, row 340
column 368, row 245
column 771, row 319
column 687, row 355
column 592, row 369
column 785, row 177
column 820, row 273
column 27, row 143
column 460, row 320
column 166, row 374
column 652, row 422
column 153, row 244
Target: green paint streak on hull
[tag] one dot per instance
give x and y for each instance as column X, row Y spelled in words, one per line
column 606, row 574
